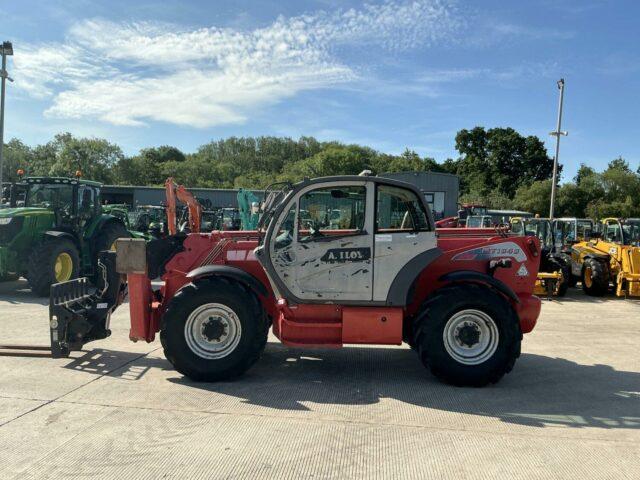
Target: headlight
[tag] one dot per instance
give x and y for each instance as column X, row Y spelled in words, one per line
column 6, row 220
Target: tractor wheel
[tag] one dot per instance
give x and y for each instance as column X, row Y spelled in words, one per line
column 105, row 240
column 214, row 329
column 53, row 261
column 595, row 277
column 107, row 237
column 467, row 335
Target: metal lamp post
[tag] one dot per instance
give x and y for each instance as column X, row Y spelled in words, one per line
column 6, row 50
column 558, row 132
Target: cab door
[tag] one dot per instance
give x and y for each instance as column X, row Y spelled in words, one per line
column 321, row 246
column 402, row 232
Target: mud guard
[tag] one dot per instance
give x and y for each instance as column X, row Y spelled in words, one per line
column 232, row 272
column 478, row 277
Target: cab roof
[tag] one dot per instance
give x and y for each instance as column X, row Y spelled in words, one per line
column 61, row 180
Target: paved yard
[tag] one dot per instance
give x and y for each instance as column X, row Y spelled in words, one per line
column 570, row 408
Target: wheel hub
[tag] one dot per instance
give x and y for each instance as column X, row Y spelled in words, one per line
column 468, row 334
column 471, row 337
column 214, row 328
column 213, row 331
column 63, row 267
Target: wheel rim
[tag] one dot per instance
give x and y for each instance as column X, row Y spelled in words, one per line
column 588, row 281
column 63, row 267
column 471, row 337
column 212, row 331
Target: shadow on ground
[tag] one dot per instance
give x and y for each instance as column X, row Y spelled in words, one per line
column 115, row 363
column 18, row 292
column 540, row 391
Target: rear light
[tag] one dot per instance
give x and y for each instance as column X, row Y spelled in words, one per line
column 531, row 243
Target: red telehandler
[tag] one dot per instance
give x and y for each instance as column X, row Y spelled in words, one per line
column 335, row 261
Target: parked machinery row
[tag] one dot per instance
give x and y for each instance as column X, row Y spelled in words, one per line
column 602, row 255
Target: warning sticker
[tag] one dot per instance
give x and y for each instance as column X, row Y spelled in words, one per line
column 522, row 271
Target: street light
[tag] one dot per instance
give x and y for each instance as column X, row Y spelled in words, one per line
column 558, row 133
column 7, row 49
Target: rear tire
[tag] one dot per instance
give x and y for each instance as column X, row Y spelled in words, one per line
column 105, row 241
column 595, row 277
column 42, row 271
column 467, row 335
column 214, row 329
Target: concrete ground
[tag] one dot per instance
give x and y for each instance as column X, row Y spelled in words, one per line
column 570, row 408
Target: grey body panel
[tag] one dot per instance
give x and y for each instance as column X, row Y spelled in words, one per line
column 392, row 252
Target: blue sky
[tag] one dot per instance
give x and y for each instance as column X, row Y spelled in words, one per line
column 389, row 74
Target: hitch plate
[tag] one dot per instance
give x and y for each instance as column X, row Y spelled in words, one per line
column 76, row 317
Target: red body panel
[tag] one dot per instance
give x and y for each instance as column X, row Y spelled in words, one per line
column 334, row 325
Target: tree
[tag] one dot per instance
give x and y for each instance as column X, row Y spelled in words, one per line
column 499, row 160
column 534, row 198
column 16, row 155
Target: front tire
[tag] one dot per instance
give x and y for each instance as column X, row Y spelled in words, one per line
column 595, row 277
column 467, row 335
column 214, row 329
column 53, row 261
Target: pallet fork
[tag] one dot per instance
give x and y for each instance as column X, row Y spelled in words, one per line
column 76, row 314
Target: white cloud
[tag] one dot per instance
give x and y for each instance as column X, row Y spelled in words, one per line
column 130, row 73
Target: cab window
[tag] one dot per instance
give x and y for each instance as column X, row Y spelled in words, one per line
column 284, row 238
column 399, row 210
column 49, row 195
column 584, row 230
column 86, row 201
column 613, row 233
column 331, row 211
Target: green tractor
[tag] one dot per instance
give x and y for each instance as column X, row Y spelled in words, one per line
column 55, row 231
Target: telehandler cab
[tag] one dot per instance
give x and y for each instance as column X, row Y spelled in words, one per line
column 554, row 274
column 336, row 260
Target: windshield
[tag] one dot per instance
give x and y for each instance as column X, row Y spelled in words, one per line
column 49, row 195
column 540, row 229
column 631, row 229
column 478, row 222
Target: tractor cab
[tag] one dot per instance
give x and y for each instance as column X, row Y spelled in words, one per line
column 53, row 231
column 344, row 239
column 479, row 221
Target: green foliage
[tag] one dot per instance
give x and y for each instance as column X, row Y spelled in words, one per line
column 499, row 160
column 16, row 155
column 497, row 167
column 611, row 193
column 63, row 156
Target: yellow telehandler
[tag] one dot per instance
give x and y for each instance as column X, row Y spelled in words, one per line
column 611, row 256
